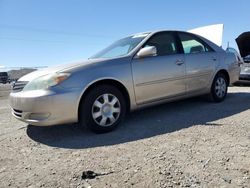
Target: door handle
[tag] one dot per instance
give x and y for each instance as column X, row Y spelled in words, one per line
column 214, row 58
column 179, row 62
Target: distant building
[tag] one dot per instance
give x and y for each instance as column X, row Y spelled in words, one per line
column 16, row 74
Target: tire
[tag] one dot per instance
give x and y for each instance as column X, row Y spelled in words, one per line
column 102, row 109
column 219, row 88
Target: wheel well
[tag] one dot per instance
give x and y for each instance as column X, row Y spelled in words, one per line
column 111, row 82
column 225, row 73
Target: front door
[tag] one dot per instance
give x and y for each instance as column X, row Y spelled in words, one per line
column 161, row 76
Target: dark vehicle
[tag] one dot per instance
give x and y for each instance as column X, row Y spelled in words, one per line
column 4, row 77
column 243, row 42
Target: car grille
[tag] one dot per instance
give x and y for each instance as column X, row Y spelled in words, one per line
column 17, row 113
column 18, row 86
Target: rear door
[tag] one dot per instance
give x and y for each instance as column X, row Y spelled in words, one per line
column 200, row 62
column 161, row 76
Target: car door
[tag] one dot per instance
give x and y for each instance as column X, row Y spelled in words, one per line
column 160, row 76
column 200, row 60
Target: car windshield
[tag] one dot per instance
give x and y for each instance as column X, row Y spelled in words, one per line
column 121, row 47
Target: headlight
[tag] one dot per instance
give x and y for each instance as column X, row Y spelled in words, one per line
column 47, row 81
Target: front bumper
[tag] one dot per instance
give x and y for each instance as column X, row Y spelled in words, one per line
column 45, row 107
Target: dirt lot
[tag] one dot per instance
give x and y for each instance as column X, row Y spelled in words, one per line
column 191, row 143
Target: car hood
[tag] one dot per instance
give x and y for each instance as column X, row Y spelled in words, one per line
column 243, row 42
column 60, row 68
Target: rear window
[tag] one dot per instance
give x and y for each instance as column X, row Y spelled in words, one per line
column 3, row 74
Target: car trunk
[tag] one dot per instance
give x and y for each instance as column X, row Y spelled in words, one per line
column 243, row 42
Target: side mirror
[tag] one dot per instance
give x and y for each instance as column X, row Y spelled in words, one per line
column 147, row 51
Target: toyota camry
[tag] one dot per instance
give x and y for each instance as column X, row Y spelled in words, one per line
column 134, row 72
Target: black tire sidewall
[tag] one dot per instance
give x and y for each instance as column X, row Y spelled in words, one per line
column 85, row 115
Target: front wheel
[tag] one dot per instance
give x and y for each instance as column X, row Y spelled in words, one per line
column 102, row 109
column 219, row 88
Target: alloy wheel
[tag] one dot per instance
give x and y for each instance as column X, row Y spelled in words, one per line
column 106, row 110
column 220, row 87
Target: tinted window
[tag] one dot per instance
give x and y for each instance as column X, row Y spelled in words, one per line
column 164, row 42
column 192, row 45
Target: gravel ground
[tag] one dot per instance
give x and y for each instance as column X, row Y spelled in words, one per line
column 191, row 143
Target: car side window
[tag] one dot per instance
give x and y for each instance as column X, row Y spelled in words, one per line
column 191, row 45
column 164, row 42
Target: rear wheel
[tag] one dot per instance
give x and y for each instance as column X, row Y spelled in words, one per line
column 219, row 88
column 102, row 109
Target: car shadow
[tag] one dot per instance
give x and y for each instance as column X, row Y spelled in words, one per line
column 146, row 123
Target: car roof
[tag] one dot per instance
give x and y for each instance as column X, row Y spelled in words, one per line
column 210, row 43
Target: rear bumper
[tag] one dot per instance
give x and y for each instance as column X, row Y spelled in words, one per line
column 244, row 77
column 44, row 107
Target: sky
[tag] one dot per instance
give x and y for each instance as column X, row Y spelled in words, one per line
column 36, row 33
